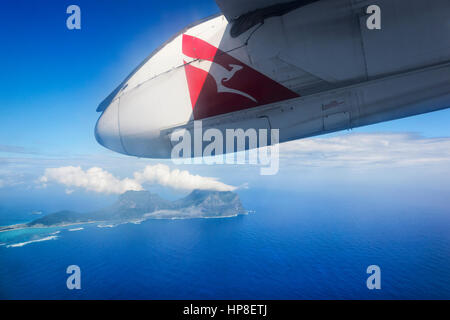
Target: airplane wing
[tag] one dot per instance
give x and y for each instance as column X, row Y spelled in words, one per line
column 246, row 14
column 233, row 9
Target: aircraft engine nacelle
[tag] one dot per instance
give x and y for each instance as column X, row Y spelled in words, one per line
column 306, row 70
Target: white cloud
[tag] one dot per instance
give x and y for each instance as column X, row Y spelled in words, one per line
column 179, row 179
column 99, row 180
column 370, row 149
column 94, row 179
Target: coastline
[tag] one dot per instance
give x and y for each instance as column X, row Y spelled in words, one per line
column 22, row 226
column 145, row 217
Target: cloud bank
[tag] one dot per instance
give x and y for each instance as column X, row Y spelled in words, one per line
column 362, row 151
column 179, row 179
column 94, row 179
column 368, row 149
column 99, row 180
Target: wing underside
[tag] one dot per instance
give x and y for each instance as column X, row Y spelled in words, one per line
column 233, row 9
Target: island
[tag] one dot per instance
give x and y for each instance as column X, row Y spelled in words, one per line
column 137, row 206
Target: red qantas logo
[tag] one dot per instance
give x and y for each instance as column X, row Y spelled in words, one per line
column 224, row 84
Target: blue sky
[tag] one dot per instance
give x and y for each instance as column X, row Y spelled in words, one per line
column 52, row 80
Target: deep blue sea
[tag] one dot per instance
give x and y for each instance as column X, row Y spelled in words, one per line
column 294, row 246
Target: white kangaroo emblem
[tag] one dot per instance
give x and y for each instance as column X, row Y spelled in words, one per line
column 220, row 75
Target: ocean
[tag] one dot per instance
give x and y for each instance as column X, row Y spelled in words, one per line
column 293, row 246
